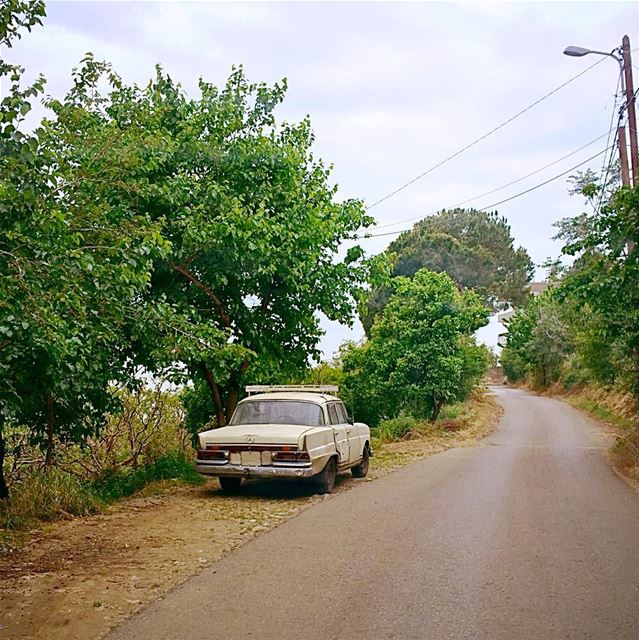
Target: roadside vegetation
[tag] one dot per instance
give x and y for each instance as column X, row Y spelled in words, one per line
column 581, row 337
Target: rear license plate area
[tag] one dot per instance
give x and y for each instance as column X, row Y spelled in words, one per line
column 251, row 458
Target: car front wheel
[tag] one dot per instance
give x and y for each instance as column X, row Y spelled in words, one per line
column 360, row 470
column 326, row 479
column 230, row 483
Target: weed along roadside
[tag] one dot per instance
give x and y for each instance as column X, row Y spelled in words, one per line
column 78, row 578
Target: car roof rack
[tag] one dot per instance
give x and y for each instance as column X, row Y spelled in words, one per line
column 305, row 388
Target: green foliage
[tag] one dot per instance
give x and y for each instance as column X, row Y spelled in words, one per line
column 473, row 247
column 420, row 355
column 71, row 269
column 249, row 213
column 601, row 292
column 119, row 484
column 43, row 496
column 538, row 342
column 395, row 429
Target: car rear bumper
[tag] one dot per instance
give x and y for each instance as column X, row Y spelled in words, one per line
column 243, row 471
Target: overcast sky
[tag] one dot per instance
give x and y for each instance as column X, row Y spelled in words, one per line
column 391, row 88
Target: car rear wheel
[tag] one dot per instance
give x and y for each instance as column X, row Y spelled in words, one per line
column 229, row 483
column 360, row 470
column 326, row 479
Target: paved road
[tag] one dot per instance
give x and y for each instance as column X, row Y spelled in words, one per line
column 528, row 536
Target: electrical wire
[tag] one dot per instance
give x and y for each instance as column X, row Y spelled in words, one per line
column 495, row 204
column 604, row 183
column 483, row 137
column 612, row 153
column 503, row 186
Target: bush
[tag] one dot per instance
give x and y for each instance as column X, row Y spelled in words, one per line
column 55, row 494
column 396, row 428
column 47, row 496
column 117, row 484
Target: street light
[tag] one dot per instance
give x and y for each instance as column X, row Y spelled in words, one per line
column 622, row 56
column 577, row 52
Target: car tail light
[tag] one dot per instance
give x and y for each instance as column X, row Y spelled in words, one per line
column 294, row 457
column 213, row 453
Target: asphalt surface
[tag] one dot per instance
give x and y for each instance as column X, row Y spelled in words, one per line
column 528, row 535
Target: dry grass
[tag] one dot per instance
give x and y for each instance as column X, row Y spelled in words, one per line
column 458, row 425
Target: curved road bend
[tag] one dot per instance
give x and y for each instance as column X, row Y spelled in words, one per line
column 529, row 535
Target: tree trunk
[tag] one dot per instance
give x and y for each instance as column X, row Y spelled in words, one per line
column 234, row 389
column 215, row 394
column 50, row 426
column 437, row 407
column 231, row 401
column 4, row 489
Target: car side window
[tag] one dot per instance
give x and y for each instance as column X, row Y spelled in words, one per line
column 341, row 413
column 332, row 413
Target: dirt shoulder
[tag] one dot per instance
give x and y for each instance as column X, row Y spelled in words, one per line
column 79, row 578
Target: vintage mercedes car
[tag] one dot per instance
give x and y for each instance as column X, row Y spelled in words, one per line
column 293, row 431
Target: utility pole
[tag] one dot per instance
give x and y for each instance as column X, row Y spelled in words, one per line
column 623, row 156
column 632, row 112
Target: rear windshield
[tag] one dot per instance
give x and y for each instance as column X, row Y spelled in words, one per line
column 278, row 412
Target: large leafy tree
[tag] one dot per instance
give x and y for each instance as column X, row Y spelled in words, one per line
column 71, row 271
column 249, row 214
column 420, row 354
column 474, row 248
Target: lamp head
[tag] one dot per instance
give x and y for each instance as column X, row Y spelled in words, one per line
column 576, row 52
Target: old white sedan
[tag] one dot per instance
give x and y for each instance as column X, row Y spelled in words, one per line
column 293, row 431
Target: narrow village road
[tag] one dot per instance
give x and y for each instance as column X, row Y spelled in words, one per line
column 529, row 535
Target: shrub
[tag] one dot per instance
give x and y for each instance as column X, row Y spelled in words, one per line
column 120, row 483
column 396, row 428
column 46, row 496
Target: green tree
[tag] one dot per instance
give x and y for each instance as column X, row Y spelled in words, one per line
column 603, row 285
column 538, row 341
column 420, row 355
column 70, row 272
column 249, row 213
column 474, row 248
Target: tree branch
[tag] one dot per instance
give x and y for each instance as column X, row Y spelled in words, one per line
column 226, row 320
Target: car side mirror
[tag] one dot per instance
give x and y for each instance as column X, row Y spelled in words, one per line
column 350, row 420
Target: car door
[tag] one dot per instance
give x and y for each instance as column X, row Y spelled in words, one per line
column 354, row 437
column 340, row 433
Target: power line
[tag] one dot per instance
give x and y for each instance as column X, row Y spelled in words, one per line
column 495, row 204
column 483, row 137
column 508, row 184
column 612, row 151
column 604, row 184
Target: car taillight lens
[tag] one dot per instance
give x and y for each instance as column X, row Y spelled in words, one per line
column 291, row 456
column 212, row 453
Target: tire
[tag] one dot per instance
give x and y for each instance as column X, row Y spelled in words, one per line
column 360, row 470
column 326, row 479
column 230, row 484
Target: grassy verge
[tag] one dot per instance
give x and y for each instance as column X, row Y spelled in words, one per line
column 56, row 494
column 402, row 440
